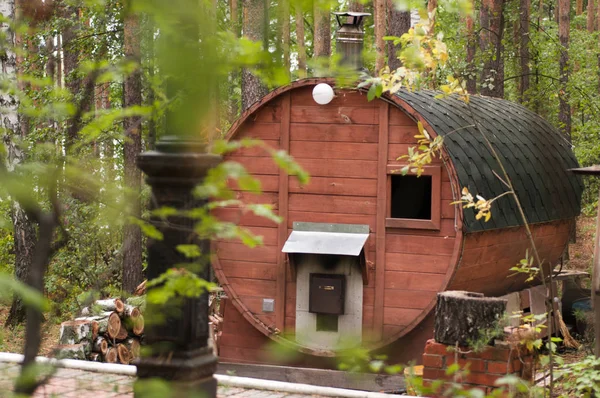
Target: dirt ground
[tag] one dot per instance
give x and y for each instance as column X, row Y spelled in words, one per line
column 11, row 339
column 582, row 251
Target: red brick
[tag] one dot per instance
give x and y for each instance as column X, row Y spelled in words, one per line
column 434, row 348
column 482, row 379
column 434, row 374
column 495, row 354
column 474, row 365
column 499, row 367
column 433, row 361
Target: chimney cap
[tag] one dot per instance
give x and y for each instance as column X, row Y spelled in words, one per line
column 357, row 17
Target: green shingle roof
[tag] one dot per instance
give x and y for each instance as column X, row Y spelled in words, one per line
column 537, row 157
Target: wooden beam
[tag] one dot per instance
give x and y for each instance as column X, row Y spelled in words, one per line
column 382, row 188
column 317, row 377
column 284, row 143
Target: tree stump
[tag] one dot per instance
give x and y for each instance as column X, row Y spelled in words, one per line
column 460, row 316
column 74, row 332
column 71, row 351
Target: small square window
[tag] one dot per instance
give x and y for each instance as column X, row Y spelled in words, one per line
column 411, row 197
column 414, row 202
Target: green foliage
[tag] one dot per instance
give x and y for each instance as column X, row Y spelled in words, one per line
column 582, row 378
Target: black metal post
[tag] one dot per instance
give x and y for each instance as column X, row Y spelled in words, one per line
column 178, row 343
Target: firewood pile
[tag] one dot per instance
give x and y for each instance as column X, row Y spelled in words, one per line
column 108, row 331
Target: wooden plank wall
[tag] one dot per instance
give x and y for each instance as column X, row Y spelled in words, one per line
column 338, row 145
column 488, row 256
column 346, row 147
column 417, row 262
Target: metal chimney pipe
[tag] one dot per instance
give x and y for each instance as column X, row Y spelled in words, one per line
column 349, row 38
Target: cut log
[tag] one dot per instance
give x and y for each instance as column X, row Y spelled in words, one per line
column 110, row 305
column 138, row 325
column 95, row 326
column 137, row 301
column 141, row 289
column 111, row 355
column 133, row 345
column 74, row 332
column 131, row 311
column 461, row 317
column 109, row 324
column 71, row 351
column 100, row 345
column 95, row 357
column 122, row 335
column 123, row 354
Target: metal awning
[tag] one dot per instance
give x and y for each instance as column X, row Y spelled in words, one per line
column 320, row 238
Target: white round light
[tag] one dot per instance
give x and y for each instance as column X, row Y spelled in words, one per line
column 322, row 93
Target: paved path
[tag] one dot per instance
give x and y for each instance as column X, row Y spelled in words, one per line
column 74, row 383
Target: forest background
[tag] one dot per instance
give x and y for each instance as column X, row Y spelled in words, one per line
column 89, row 96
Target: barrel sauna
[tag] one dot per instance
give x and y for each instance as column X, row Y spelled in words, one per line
column 393, row 241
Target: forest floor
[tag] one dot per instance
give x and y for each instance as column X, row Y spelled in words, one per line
column 11, row 339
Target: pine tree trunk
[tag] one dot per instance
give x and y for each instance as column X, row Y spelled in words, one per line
column 471, row 80
column 234, row 22
column 591, row 15
column 149, row 35
column 285, row 34
column 356, row 6
column 524, row 50
column 322, row 30
column 300, row 40
column 492, row 28
column 564, row 111
column 132, row 235
column 71, row 61
column 254, row 29
column 379, row 9
column 398, row 24
column 578, row 7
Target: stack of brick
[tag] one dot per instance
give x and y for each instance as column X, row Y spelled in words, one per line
column 484, row 367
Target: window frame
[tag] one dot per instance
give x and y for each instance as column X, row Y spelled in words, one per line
column 435, row 172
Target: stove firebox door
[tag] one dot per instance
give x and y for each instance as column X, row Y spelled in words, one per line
column 327, row 294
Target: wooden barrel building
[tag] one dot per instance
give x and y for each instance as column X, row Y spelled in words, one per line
column 363, row 250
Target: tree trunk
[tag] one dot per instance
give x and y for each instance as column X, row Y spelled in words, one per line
column 591, row 15
column 564, row 111
column 598, row 27
column 460, row 316
column 379, row 9
column 254, row 29
column 71, row 60
column 285, row 34
column 24, row 233
column 132, row 235
column 300, row 40
column 492, row 29
column 471, row 79
column 431, row 9
column 149, row 34
column 578, row 7
column 322, row 30
column 234, row 23
column 398, row 24
column 524, row 50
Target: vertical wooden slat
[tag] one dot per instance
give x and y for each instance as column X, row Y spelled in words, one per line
column 382, row 193
column 284, row 144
